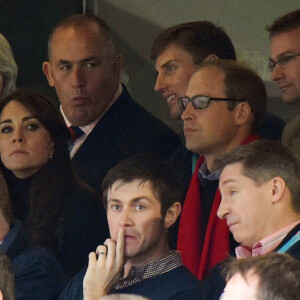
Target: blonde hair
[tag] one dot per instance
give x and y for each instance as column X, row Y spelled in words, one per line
column 8, row 68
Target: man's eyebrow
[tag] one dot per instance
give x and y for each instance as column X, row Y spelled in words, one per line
column 24, row 119
column 137, row 199
column 89, row 59
column 167, row 63
column 282, row 54
column 227, row 181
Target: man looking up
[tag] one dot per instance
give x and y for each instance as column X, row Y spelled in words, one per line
column 142, row 197
column 284, row 63
column 84, row 68
column 260, row 187
column 224, row 106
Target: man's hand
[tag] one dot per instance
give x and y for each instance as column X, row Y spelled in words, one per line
column 103, row 273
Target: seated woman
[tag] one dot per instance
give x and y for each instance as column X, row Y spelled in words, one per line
column 58, row 210
column 8, row 68
column 38, row 275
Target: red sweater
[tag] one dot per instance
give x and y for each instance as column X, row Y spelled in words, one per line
column 200, row 257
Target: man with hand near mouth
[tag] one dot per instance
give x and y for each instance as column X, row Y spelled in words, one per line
column 142, row 198
column 284, row 63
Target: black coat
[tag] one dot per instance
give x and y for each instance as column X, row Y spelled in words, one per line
column 124, row 130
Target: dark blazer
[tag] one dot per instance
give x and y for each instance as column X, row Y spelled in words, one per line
column 124, row 130
column 38, row 275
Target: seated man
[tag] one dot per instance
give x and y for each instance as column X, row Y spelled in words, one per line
column 7, row 280
column 273, row 276
column 223, row 109
column 142, row 198
column 37, row 273
column 107, row 125
column 284, row 64
column 260, row 187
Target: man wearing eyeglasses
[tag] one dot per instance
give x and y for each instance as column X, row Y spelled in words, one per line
column 284, row 63
column 224, row 106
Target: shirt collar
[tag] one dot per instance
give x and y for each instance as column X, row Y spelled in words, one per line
column 267, row 244
column 204, row 174
column 151, row 269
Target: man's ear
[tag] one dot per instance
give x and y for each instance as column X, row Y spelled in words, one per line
column 48, row 72
column 172, row 214
column 210, row 58
column 242, row 113
column 278, row 186
column 1, row 296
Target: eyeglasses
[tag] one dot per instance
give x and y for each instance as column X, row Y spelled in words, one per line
column 282, row 60
column 200, row 101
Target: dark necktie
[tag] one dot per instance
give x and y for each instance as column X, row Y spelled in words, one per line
column 75, row 132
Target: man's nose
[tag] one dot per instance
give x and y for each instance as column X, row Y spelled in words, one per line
column 188, row 112
column 78, row 79
column 222, row 210
column 126, row 218
column 160, row 83
column 277, row 73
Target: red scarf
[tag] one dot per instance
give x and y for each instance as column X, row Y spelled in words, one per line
column 197, row 257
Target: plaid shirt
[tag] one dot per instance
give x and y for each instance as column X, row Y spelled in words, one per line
column 149, row 270
column 265, row 245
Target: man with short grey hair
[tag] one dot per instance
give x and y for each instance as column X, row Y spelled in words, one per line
column 106, row 125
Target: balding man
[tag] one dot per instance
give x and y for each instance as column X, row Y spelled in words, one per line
column 106, row 124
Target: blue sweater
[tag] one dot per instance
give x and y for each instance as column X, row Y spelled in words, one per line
column 176, row 284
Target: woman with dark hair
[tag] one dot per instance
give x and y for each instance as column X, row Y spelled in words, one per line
column 59, row 211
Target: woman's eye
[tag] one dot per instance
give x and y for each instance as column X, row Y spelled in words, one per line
column 32, row 127
column 6, row 129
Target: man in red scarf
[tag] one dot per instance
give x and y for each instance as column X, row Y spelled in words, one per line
column 224, row 106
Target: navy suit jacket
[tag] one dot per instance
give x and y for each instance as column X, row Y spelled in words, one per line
column 124, row 130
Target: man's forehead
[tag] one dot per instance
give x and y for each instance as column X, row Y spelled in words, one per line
column 172, row 52
column 86, row 36
column 231, row 173
column 206, row 81
column 285, row 42
column 124, row 191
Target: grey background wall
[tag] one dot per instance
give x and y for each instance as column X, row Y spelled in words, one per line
column 136, row 23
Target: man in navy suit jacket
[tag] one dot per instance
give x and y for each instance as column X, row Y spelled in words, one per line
column 85, row 69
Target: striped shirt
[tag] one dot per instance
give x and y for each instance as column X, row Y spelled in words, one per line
column 149, row 270
column 266, row 245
